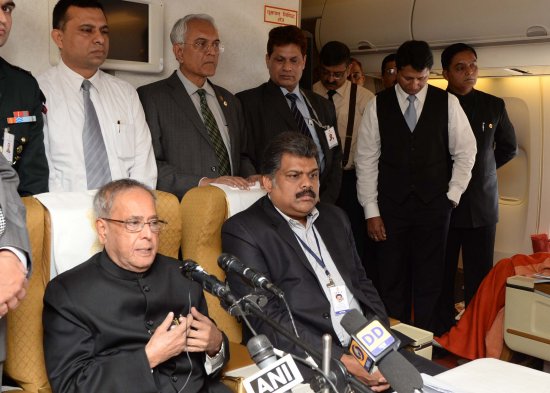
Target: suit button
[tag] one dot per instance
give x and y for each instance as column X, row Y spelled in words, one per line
column 326, row 315
column 174, row 378
column 149, row 323
column 213, row 168
column 146, row 288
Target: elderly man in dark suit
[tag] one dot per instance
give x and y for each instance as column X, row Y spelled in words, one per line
column 197, row 127
column 306, row 249
column 22, row 136
column 14, row 249
column 281, row 105
column 473, row 222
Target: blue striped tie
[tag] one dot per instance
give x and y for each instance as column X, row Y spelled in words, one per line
column 302, row 126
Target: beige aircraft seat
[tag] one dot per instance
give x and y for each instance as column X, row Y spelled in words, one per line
column 527, row 316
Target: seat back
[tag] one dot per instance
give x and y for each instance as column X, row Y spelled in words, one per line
column 25, row 355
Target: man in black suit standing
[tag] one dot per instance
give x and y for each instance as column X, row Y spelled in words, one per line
column 21, row 133
column 280, row 105
column 473, row 222
column 415, row 152
column 197, row 128
column 306, row 248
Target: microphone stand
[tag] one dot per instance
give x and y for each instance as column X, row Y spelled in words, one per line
column 348, row 378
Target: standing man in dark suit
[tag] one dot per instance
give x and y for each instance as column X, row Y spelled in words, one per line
column 414, row 157
column 307, row 250
column 473, row 222
column 14, row 249
column 22, row 136
column 280, row 105
column 197, row 127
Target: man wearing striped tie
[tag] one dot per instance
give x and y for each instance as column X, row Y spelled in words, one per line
column 280, row 105
column 197, row 127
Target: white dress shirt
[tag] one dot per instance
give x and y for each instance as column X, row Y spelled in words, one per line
column 462, row 147
column 341, row 104
column 307, row 235
column 122, row 120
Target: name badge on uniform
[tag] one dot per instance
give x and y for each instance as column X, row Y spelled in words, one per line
column 330, row 134
column 8, row 146
column 339, row 299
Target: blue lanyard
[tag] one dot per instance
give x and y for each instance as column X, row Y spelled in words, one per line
column 317, row 258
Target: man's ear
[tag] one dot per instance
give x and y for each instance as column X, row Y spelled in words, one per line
column 57, row 37
column 267, row 183
column 445, row 74
column 101, row 230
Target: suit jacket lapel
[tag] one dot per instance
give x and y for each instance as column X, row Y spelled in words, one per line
column 179, row 94
column 276, row 101
column 3, row 80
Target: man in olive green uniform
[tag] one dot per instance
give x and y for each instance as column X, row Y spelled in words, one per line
column 21, row 103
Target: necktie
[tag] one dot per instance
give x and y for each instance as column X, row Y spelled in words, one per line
column 2, row 222
column 215, row 136
column 410, row 113
column 330, row 94
column 302, row 126
column 98, row 172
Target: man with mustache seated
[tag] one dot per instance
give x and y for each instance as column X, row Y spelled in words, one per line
column 306, row 248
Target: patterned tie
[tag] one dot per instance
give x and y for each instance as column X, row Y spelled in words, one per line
column 2, row 222
column 98, row 172
column 330, row 94
column 302, row 126
column 215, row 136
column 410, row 113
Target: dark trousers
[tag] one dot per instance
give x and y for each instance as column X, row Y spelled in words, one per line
column 477, row 246
column 350, row 204
column 411, row 259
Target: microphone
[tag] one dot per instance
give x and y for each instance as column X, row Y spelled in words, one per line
column 230, row 263
column 275, row 375
column 210, row 283
column 381, row 346
column 261, row 351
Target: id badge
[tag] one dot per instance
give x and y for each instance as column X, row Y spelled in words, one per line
column 9, row 145
column 339, row 299
column 330, row 134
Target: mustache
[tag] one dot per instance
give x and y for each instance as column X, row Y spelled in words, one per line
column 309, row 192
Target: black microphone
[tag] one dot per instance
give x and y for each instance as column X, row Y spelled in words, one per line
column 210, row 283
column 230, row 263
column 381, row 347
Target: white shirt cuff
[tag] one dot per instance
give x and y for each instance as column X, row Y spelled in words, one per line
column 18, row 253
column 211, row 364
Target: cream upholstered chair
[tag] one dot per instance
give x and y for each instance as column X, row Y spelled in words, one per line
column 203, row 211
column 25, row 356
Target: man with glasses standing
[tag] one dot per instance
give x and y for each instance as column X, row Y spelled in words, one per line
column 389, row 71
column 350, row 101
column 127, row 320
column 197, row 127
column 280, row 105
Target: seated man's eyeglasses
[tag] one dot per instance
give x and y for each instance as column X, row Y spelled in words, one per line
column 390, row 71
column 134, row 225
column 204, row 45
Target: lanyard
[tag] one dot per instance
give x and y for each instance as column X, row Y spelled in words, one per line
column 317, row 258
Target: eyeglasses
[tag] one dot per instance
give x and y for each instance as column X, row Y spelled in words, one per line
column 356, row 75
column 134, row 225
column 391, row 71
column 204, row 46
column 334, row 75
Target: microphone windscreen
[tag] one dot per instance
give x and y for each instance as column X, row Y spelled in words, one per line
column 353, row 321
column 400, row 374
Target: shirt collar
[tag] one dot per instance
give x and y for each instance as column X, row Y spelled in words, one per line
column 295, row 91
column 402, row 95
column 191, row 88
column 75, row 79
column 311, row 218
column 341, row 91
column 111, row 267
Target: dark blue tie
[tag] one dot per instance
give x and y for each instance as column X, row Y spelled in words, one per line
column 302, row 126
